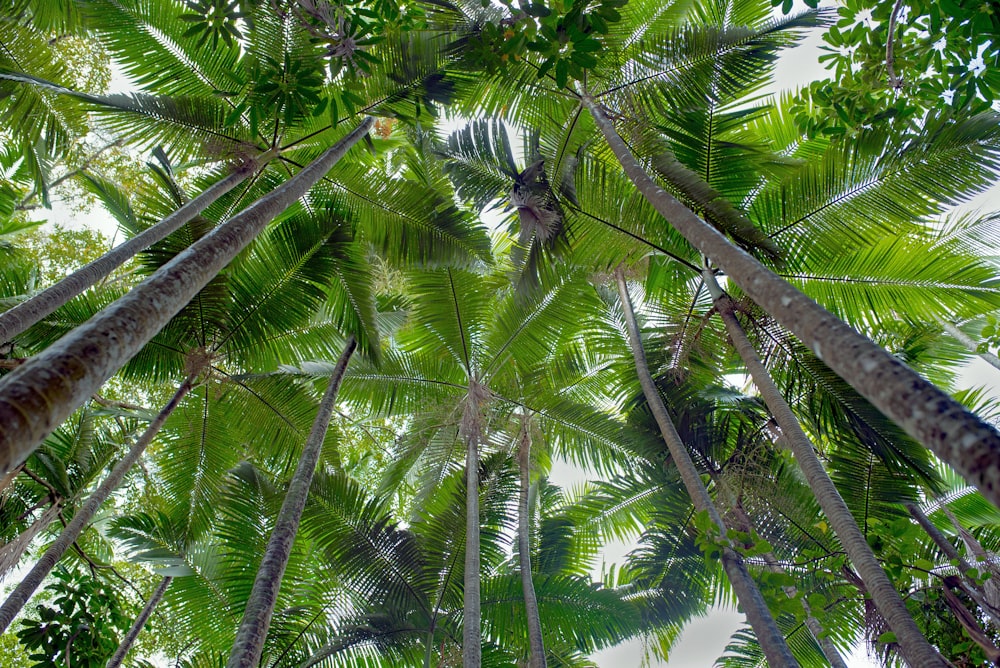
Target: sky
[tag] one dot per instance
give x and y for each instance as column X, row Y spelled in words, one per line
column 703, row 639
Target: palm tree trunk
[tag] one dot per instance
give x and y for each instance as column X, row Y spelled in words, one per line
column 971, row 625
column 38, row 395
column 826, row 645
column 12, row 551
column 771, row 640
column 967, row 341
column 471, row 429
column 971, row 587
column 116, row 659
column 9, row 477
column 932, row 417
column 970, row 541
column 31, row 311
column 914, row 646
column 472, row 641
column 260, row 606
column 535, row 640
column 27, row 586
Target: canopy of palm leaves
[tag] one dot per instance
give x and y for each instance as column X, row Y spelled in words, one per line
column 468, row 250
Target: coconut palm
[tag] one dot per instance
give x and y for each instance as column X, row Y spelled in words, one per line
column 195, row 110
column 746, row 590
column 489, row 338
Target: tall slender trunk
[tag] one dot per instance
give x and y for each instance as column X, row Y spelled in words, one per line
column 971, row 625
column 970, row 585
column 27, row 586
column 535, row 640
column 260, row 606
column 973, row 545
column 472, row 641
column 12, row 551
column 967, row 341
column 471, row 430
column 770, row 638
column 31, row 311
column 826, row 645
column 140, row 621
column 914, row 646
column 932, row 417
column 38, row 395
column 8, row 478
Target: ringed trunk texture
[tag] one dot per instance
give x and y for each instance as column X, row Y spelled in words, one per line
column 535, row 640
column 31, row 311
column 250, row 637
column 971, row 587
column 116, row 659
column 912, row 643
column 929, row 415
column 472, row 641
column 967, row 341
column 770, row 638
column 38, row 395
column 27, row 586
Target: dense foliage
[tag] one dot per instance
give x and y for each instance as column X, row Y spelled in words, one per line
column 469, row 247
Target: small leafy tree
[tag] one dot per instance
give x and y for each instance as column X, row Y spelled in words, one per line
column 79, row 626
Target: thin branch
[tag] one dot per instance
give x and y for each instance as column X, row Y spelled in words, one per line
column 895, row 82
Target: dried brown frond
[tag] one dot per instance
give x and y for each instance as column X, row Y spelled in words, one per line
column 197, row 360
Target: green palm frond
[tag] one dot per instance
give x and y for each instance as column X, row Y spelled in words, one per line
column 171, row 64
column 682, row 66
column 878, row 185
column 150, row 120
column 480, row 162
column 577, row 612
column 35, row 115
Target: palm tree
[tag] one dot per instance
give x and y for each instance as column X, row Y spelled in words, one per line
column 812, row 324
column 29, row 312
column 473, row 355
column 536, row 640
column 187, row 104
column 501, row 363
column 886, row 597
column 926, row 412
column 253, row 629
column 770, row 638
column 27, row 586
column 140, row 621
column 126, row 326
column 60, row 471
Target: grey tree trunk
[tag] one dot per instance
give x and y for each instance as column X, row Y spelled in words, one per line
column 967, row 341
column 27, row 586
column 826, row 645
column 8, row 478
column 770, row 638
column 250, row 637
column 12, row 551
column 31, row 311
column 970, row 585
column 971, row 625
column 535, row 640
column 147, row 610
column 472, row 641
column 912, row 643
column 932, row 417
column 38, row 395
